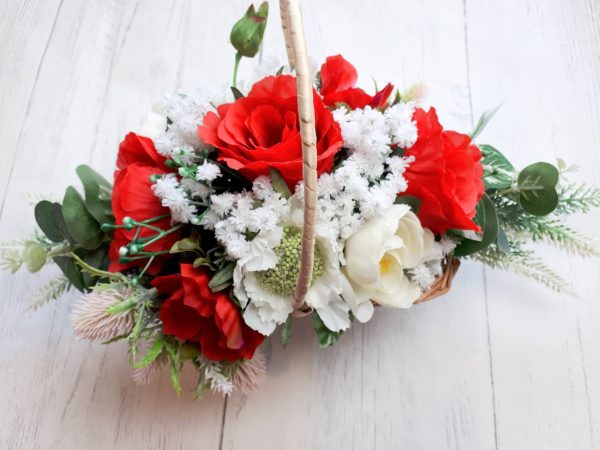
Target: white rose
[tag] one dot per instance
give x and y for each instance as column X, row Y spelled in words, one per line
column 377, row 255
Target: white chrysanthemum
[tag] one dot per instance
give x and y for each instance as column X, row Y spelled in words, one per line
column 208, row 171
column 168, row 190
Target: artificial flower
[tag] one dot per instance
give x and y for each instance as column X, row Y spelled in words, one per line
column 262, row 131
column 446, row 175
column 265, row 280
column 338, row 86
column 377, row 256
column 139, row 149
column 194, row 313
column 133, row 197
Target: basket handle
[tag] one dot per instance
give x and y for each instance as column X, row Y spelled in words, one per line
column 295, row 42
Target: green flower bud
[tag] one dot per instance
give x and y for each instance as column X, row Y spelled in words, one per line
column 34, row 255
column 247, row 34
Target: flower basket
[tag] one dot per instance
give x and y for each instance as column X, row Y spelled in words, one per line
column 235, row 211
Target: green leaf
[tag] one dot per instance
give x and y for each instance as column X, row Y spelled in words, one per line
column 175, row 365
column 153, row 352
column 538, row 174
column 286, row 331
column 237, row 94
column 189, row 244
column 487, row 219
column 499, row 172
column 71, row 271
column 122, row 306
column 82, row 226
column 201, row 261
column 326, row 337
column 502, row 241
column 484, row 120
column 188, row 351
column 98, row 259
column 97, row 194
column 537, row 188
column 409, row 200
column 279, row 183
column 49, row 218
column 222, row 278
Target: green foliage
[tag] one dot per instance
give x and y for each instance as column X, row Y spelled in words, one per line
column 49, row 218
column 577, row 198
column 247, row 33
column 189, row 244
column 279, row 183
column 81, row 224
column 71, row 271
column 545, row 229
column 483, row 121
column 223, row 278
column 50, row 291
column 325, row 336
column 523, row 262
column 537, row 188
column 487, row 219
column 409, row 200
column 11, row 255
column 153, row 352
column 286, row 331
column 97, row 194
column 498, row 171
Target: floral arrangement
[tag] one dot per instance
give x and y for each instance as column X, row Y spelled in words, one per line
column 192, row 255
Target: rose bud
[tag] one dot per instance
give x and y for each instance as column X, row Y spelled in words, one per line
column 247, row 34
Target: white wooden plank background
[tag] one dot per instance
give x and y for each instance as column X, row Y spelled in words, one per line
column 498, row 363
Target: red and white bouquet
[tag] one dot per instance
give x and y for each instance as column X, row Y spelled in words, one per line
column 193, row 253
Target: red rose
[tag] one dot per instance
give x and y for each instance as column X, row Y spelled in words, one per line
column 338, row 85
column 194, row 313
column 132, row 196
column 446, row 175
column 262, row 130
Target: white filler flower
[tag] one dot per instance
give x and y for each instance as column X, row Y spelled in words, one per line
column 377, row 255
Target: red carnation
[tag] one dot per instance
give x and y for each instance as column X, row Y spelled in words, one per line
column 194, row 313
column 262, row 130
column 338, row 85
column 446, row 175
column 139, row 149
column 132, row 196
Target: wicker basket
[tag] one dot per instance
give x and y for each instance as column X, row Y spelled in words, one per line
column 295, row 43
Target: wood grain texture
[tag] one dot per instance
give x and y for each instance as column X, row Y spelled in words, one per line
column 499, row 363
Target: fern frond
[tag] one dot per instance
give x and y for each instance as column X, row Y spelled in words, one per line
column 577, row 197
column 11, row 258
column 523, row 262
column 50, row 291
column 545, row 229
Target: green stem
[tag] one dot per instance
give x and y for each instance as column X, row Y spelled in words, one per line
column 238, row 58
column 97, row 272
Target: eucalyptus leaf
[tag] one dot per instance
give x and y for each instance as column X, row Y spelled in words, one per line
column 537, row 188
column 97, row 194
column 279, row 183
column 487, row 219
column 498, row 171
column 71, row 271
column 325, row 336
column 201, row 261
column 82, row 226
column 49, row 218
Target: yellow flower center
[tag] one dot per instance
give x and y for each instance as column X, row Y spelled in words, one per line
column 385, row 263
